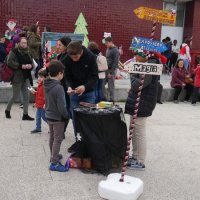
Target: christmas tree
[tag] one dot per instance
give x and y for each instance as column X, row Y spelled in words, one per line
column 81, row 28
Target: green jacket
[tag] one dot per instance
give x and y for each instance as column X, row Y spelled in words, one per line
column 13, row 63
column 34, row 43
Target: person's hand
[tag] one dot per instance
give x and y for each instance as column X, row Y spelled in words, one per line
column 70, row 91
column 79, row 90
column 23, row 66
column 28, row 66
column 32, row 91
column 109, row 76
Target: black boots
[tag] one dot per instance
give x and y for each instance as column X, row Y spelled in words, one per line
column 27, row 117
column 7, row 113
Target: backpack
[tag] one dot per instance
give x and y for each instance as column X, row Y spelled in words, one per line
column 102, row 63
column 183, row 50
column 6, row 73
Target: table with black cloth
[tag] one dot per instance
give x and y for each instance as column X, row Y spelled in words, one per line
column 103, row 135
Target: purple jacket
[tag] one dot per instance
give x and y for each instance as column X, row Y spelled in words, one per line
column 178, row 77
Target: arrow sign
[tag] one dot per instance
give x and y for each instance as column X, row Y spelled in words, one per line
column 143, row 68
column 164, row 17
column 148, row 45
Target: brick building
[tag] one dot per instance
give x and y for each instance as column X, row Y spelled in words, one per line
column 113, row 16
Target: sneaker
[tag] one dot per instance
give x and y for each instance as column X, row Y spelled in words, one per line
column 136, row 165
column 36, row 131
column 58, row 167
column 194, row 104
column 130, row 160
column 27, row 117
column 176, row 101
column 7, row 113
column 159, row 102
column 21, row 105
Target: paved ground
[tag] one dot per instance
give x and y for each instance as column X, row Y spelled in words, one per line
column 172, row 166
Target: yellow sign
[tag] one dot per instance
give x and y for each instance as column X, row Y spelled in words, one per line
column 160, row 16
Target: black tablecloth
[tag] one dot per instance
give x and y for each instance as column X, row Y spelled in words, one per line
column 104, row 135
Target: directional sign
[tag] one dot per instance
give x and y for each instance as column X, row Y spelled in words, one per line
column 143, row 68
column 164, row 17
column 148, row 45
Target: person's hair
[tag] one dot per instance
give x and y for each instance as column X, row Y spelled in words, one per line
column 168, row 39
column 25, row 28
column 43, row 72
column 177, row 62
column 65, row 40
column 93, row 45
column 74, row 48
column 48, row 28
column 33, row 28
column 55, row 67
column 23, row 34
column 188, row 40
column 108, row 39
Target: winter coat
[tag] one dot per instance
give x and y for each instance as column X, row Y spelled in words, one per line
column 148, row 96
column 55, row 104
column 197, row 77
column 34, row 44
column 178, row 77
column 16, row 59
column 83, row 72
column 39, row 96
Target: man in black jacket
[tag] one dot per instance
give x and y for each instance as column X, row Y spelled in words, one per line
column 81, row 74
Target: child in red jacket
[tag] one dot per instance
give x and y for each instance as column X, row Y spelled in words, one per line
column 196, row 85
column 39, row 101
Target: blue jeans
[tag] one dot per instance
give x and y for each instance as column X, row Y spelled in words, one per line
column 88, row 97
column 98, row 90
column 186, row 64
column 40, row 114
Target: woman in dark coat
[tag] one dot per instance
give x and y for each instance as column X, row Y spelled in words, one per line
column 21, row 62
column 62, row 46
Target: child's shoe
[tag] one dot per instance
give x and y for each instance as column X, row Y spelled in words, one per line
column 58, row 167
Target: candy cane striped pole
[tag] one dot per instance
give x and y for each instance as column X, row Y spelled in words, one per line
column 132, row 124
column 44, row 54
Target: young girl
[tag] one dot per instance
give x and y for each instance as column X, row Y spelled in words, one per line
column 196, row 84
column 39, row 101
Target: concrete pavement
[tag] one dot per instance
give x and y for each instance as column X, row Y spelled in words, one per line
column 172, row 165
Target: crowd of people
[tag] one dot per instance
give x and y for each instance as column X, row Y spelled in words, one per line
column 79, row 74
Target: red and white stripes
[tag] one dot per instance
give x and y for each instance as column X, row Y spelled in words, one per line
column 136, row 107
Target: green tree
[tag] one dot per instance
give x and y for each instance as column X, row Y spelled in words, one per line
column 81, row 27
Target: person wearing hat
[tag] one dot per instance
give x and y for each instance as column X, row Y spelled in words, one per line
column 147, row 104
column 112, row 56
column 185, row 53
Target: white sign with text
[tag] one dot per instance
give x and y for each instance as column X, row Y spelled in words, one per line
column 143, row 68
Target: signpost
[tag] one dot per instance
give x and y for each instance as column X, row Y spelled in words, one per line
column 148, row 45
column 164, row 17
column 143, row 68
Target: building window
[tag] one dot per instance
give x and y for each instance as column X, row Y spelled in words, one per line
column 180, row 12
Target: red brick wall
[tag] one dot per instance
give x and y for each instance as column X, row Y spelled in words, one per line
column 196, row 27
column 113, row 16
column 189, row 17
